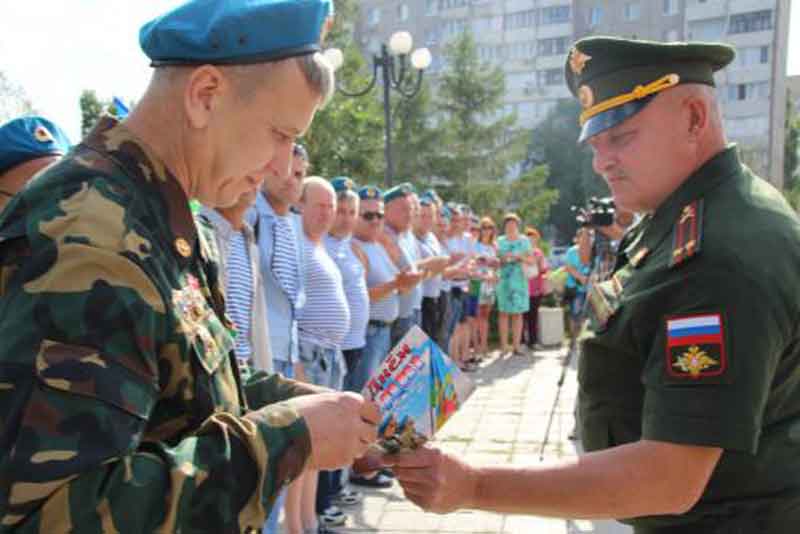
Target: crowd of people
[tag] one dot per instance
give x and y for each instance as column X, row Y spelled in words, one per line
column 339, row 273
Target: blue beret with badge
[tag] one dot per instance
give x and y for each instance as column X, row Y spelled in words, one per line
column 370, row 192
column 236, row 32
column 28, row 138
column 615, row 78
column 399, row 191
column 429, row 198
column 343, row 184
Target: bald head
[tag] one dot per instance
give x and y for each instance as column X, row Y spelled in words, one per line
column 318, row 203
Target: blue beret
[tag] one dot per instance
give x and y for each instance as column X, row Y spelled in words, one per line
column 398, row 191
column 30, row 138
column 342, row 184
column 429, row 197
column 235, row 31
column 446, row 213
column 370, row 192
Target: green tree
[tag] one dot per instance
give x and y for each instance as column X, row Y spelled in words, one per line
column 92, row 108
column 553, row 143
column 479, row 145
column 791, row 145
column 533, row 198
column 14, row 102
column 346, row 138
column 414, row 138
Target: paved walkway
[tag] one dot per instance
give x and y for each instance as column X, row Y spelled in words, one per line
column 503, row 422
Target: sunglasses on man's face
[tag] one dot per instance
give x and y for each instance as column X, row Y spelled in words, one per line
column 372, row 215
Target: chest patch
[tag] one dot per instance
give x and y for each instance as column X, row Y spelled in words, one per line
column 695, row 347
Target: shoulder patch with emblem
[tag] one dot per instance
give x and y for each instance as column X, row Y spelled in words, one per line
column 696, row 347
column 687, row 235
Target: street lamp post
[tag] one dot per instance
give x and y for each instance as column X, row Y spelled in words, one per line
column 392, row 63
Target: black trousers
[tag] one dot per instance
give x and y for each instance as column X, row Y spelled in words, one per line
column 430, row 316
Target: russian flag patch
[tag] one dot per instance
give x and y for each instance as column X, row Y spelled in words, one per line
column 696, row 347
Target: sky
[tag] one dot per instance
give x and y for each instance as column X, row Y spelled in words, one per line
column 55, row 48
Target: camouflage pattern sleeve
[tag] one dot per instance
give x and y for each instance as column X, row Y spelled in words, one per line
column 263, row 389
column 112, row 417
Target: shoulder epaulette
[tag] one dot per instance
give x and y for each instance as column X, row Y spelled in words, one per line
column 687, row 235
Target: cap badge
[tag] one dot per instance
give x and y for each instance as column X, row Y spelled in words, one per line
column 577, row 61
column 43, row 135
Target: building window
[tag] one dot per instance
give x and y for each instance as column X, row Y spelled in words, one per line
column 402, row 12
column 595, row 16
column 707, row 30
column 555, row 14
column 520, row 19
column 670, row 7
column 748, row 91
column 431, row 7
column 631, row 11
column 752, row 55
column 553, row 47
column 452, row 4
column 755, row 21
column 374, row 17
column 551, row 77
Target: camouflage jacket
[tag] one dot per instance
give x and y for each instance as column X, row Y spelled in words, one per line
column 122, row 409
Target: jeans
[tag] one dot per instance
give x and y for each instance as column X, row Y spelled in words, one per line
column 323, row 367
column 372, row 356
column 351, row 359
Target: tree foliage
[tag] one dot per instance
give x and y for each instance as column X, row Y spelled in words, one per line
column 14, row 102
column 553, row 143
column 791, row 154
column 92, row 108
column 346, row 138
column 479, row 143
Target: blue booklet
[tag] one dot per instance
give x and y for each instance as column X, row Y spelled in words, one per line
column 418, row 388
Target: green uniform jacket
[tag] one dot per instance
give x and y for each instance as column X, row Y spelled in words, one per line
column 122, row 409
column 698, row 343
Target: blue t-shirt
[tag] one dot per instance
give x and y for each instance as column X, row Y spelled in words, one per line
column 573, row 259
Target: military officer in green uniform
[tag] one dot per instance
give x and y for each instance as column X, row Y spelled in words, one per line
column 121, row 405
column 690, row 389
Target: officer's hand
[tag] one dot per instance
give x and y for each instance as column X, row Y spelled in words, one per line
column 342, row 426
column 433, row 480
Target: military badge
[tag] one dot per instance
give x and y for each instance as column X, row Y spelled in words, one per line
column 577, row 61
column 190, row 307
column 43, row 135
column 695, row 347
column 586, row 96
column 688, row 233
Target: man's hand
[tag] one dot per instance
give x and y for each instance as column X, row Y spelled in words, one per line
column 406, row 280
column 433, row 480
column 342, row 426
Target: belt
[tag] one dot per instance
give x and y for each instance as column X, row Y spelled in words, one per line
column 381, row 324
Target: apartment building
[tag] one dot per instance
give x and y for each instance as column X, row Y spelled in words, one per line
column 530, row 39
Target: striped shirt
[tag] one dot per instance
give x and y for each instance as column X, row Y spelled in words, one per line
column 410, row 255
column 355, row 289
column 284, row 264
column 429, row 247
column 239, row 293
column 381, row 271
column 325, row 318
